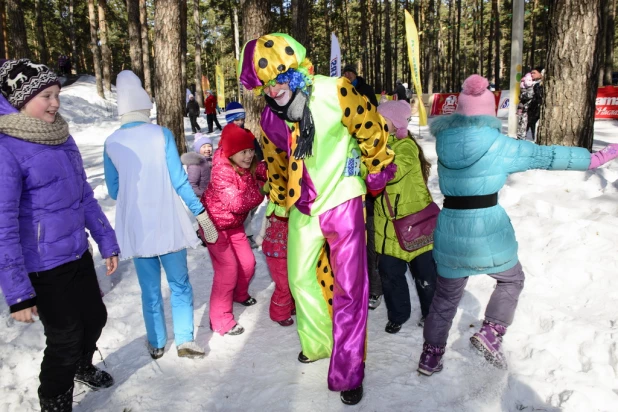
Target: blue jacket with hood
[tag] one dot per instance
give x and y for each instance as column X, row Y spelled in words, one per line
column 475, row 159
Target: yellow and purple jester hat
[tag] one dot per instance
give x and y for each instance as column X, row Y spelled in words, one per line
column 275, row 58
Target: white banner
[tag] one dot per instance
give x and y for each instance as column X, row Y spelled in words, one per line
column 335, row 56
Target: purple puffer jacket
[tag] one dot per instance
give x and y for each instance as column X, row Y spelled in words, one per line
column 45, row 205
column 198, row 171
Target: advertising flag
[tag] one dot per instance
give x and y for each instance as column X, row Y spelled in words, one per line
column 220, row 80
column 335, row 56
column 413, row 54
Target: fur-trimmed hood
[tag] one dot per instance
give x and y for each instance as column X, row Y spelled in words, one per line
column 458, row 120
column 463, row 140
column 192, row 158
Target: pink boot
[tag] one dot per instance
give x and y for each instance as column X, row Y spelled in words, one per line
column 431, row 359
column 489, row 342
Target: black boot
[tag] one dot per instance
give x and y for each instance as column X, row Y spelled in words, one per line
column 303, row 359
column 90, row 375
column 353, row 396
column 60, row 403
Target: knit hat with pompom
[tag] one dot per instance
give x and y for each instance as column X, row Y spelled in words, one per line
column 398, row 112
column 475, row 98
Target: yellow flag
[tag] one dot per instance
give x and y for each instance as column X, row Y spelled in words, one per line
column 413, row 55
column 220, row 87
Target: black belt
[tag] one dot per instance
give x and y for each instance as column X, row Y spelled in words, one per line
column 470, row 202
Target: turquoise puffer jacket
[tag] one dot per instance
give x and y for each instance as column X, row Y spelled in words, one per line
column 475, row 159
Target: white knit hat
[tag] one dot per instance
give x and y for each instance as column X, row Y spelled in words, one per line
column 131, row 95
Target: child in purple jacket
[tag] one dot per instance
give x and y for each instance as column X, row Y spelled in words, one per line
column 199, row 164
column 46, row 203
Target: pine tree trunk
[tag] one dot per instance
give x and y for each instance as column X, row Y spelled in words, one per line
column 199, row 95
column 167, row 68
column 143, row 20
column 377, row 29
column 429, row 55
column 237, row 53
column 183, row 52
column 535, row 5
column 395, row 48
column 481, row 37
column 106, row 53
column 388, row 71
column 609, row 43
column 255, row 19
column 301, row 10
column 135, row 38
column 17, row 30
column 4, row 48
column 490, row 59
column 458, row 80
column 75, row 63
column 495, row 10
column 94, row 48
column 40, row 34
column 567, row 115
column 364, row 28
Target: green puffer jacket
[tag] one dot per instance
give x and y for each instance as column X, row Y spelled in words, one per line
column 407, row 193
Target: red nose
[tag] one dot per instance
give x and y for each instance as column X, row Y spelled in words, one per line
column 273, row 94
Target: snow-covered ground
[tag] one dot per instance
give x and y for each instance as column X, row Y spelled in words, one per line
column 562, row 348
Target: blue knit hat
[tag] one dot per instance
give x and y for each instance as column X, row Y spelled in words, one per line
column 200, row 140
column 234, row 111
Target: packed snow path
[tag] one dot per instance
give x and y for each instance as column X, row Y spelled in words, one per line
column 561, row 349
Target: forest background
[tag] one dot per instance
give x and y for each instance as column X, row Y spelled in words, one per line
column 457, row 38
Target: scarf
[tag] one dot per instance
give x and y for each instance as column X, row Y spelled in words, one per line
column 297, row 110
column 31, row 129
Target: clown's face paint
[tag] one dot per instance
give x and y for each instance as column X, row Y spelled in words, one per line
column 280, row 93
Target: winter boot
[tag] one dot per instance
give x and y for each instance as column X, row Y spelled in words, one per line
column 303, row 359
column 431, row 359
column 286, row 322
column 190, row 350
column 60, row 403
column 155, row 353
column 236, row 330
column 252, row 242
column 90, row 375
column 392, row 327
column 374, row 301
column 489, row 342
column 353, row 396
column 249, row 302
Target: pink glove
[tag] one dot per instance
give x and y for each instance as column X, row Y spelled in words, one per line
column 376, row 182
column 603, row 156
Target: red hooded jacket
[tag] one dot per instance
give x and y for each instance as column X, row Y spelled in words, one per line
column 230, row 196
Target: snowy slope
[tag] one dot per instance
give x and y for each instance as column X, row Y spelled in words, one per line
column 561, row 348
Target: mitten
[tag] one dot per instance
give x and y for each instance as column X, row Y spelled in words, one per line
column 265, row 190
column 210, row 231
column 603, row 156
column 376, row 182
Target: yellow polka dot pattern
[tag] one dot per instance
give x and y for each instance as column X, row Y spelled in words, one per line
column 326, row 277
column 273, row 56
column 364, row 123
column 295, row 171
column 277, row 163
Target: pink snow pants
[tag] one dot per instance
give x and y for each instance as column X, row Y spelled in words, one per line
column 281, row 303
column 234, row 265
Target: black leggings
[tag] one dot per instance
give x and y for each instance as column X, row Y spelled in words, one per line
column 73, row 315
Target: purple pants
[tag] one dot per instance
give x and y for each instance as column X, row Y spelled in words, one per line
column 500, row 309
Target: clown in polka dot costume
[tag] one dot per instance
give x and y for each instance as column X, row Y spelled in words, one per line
column 325, row 147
